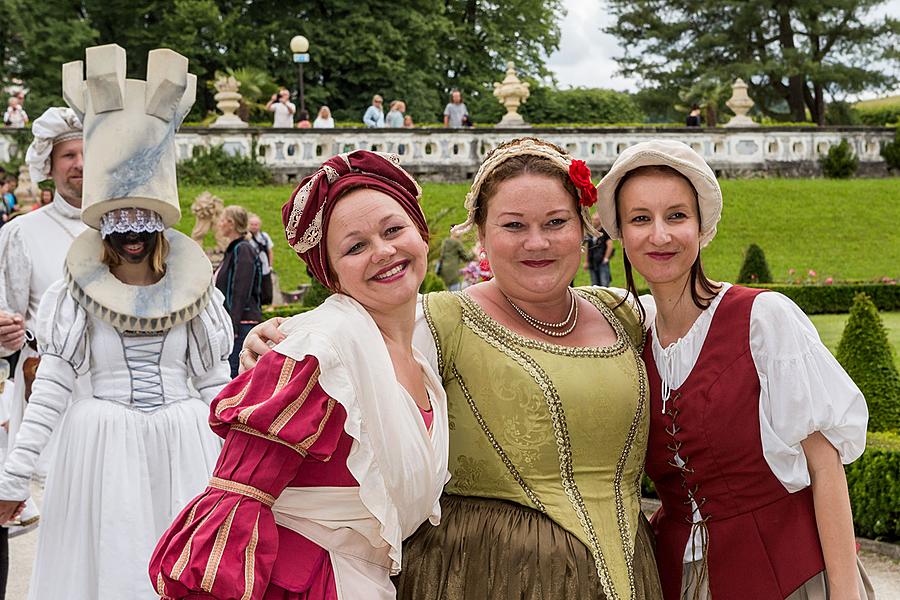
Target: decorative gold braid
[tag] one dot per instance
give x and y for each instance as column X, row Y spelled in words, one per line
column 181, row 563
column 160, row 585
column 250, row 431
column 490, row 325
column 218, row 549
column 227, row 403
column 426, row 309
column 288, row 413
column 497, row 447
column 491, row 332
column 226, row 485
column 286, row 370
column 250, row 562
column 308, row 442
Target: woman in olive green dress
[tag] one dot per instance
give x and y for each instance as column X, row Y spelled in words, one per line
column 547, row 400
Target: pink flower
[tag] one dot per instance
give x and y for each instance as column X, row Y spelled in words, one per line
column 811, row 273
column 829, row 281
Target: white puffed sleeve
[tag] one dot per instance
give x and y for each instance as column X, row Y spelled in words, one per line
column 210, row 340
column 803, row 389
column 15, row 274
column 63, row 342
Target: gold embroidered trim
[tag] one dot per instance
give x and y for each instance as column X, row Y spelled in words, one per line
column 426, row 309
column 286, row 370
column 250, row 562
column 308, row 442
column 181, row 563
column 160, row 585
column 226, row 485
column 487, row 323
column 502, row 339
column 250, row 431
column 227, row 403
column 218, row 549
column 288, row 413
column 497, row 447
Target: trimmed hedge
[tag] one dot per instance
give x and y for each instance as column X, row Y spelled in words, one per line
column 840, row 162
column 838, row 298
column 755, row 268
column 874, row 484
column 866, row 355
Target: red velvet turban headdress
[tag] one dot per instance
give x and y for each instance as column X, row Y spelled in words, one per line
column 307, row 213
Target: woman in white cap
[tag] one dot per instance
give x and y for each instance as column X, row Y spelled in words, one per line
column 137, row 314
column 750, row 415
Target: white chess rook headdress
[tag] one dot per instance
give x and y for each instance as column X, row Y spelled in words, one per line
column 129, row 130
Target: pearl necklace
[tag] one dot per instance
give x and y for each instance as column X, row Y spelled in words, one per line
column 548, row 328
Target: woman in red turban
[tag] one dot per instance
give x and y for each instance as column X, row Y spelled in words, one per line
column 336, row 442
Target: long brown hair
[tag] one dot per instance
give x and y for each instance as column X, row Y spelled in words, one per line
column 697, row 277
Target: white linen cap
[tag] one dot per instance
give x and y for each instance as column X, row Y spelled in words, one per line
column 676, row 155
column 56, row 125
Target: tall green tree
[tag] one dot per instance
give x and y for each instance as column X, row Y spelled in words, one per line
column 790, row 53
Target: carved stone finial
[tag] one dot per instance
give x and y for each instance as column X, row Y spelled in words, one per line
column 228, row 100
column 511, row 93
column 740, row 104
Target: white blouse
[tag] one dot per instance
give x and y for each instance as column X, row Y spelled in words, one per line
column 803, row 389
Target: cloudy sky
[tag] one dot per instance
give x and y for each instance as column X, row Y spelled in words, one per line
column 586, row 56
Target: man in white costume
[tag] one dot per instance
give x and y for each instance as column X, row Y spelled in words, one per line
column 33, row 248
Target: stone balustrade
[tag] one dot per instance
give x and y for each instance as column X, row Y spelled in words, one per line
column 454, row 155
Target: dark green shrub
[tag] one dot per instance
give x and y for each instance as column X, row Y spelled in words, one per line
column 215, row 166
column 316, row 294
column 874, row 484
column 755, row 268
column 585, row 105
column 841, row 113
column 865, row 353
column 840, row 162
column 890, row 152
column 879, row 116
column 829, row 299
column 285, row 310
column 432, row 283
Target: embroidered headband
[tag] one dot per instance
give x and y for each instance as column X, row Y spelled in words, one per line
column 577, row 171
column 306, row 214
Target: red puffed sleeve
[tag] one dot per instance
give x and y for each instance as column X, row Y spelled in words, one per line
column 224, row 543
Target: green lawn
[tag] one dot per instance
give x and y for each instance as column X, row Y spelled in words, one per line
column 830, row 328
column 840, row 229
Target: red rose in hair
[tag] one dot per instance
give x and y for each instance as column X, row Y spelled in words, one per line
column 580, row 175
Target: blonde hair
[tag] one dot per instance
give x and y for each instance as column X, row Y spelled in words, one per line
column 158, row 257
column 239, row 217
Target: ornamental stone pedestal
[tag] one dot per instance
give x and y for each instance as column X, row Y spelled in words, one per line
column 740, row 104
column 511, row 93
column 26, row 192
column 228, row 100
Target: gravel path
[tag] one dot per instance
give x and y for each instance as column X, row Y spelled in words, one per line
column 884, row 572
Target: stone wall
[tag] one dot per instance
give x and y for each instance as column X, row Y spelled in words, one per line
column 454, row 155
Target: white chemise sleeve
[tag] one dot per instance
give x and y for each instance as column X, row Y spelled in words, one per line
column 210, row 340
column 63, row 342
column 15, row 274
column 803, row 389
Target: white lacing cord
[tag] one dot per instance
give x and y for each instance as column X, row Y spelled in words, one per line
column 668, row 373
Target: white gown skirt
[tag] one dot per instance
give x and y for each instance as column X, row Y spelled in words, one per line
column 118, row 480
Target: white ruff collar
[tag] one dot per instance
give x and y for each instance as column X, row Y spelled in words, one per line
column 179, row 296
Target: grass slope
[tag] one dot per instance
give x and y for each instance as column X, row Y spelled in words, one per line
column 841, row 229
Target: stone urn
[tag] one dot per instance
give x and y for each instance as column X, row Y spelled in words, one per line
column 511, row 93
column 228, row 100
column 740, row 104
column 27, row 192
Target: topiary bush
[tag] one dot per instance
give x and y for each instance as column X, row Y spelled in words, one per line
column 316, row 293
column 890, row 152
column 215, row 166
column 755, row 268
column 874, row 484
column 865, row 353
column 840, row 162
